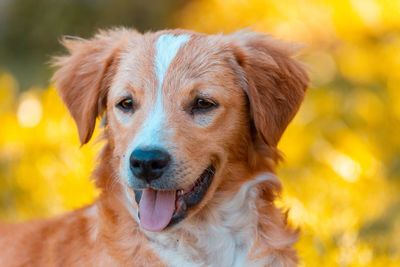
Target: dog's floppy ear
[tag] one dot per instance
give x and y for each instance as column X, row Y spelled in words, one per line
column 85, row 74
column 276, row 83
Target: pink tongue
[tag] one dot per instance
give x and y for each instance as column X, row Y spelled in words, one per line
column 156, row 209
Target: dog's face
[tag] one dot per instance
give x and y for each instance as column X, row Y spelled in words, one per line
column 174, row 111
column 180, row 108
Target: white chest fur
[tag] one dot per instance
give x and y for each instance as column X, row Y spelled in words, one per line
column 224, row 238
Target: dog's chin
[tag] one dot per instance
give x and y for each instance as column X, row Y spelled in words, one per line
column 185, row 199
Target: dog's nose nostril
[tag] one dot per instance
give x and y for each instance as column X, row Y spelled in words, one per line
column 135, row 163
column 149, row 164
column 158, row 164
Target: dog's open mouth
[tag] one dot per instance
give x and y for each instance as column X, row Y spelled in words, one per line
column 159, row 209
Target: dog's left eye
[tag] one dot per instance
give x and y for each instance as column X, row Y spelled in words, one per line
column 126, row 104
column 203, row 104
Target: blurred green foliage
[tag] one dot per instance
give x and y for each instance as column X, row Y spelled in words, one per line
column 341, row 172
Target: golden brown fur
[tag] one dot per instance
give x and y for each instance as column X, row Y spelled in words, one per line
column 259, row 88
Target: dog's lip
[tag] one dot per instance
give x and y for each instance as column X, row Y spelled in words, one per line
column 187, row 197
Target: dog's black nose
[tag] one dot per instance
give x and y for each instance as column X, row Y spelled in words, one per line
column 149, row 164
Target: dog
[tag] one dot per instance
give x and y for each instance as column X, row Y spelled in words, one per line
column 187, row 174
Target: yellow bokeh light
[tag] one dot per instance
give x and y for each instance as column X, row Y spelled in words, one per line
column 368, row 10
column 343, row 165
column 29, row 112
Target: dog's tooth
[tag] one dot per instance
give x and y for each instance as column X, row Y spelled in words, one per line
column 180, row 192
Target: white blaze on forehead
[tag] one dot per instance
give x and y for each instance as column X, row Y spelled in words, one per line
column 167, row 47
column 150, row 134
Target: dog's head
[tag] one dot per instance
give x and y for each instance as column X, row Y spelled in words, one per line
column 185, row 112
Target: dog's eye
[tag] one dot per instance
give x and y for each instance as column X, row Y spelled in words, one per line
column 203, row 104
column 126, row 104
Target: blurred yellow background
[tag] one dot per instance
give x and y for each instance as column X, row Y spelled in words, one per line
column 341, row 173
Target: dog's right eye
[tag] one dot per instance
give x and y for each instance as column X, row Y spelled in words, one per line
column 126, row 104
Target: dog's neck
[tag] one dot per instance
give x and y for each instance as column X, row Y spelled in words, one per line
column 223, row 236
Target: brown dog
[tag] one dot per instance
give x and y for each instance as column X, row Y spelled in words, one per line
column 192, row 122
